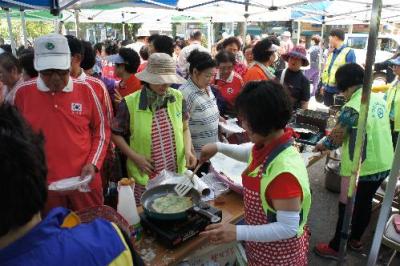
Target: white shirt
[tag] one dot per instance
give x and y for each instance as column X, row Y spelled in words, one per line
column 9, row 94
column 184, row 54
column 135, row 46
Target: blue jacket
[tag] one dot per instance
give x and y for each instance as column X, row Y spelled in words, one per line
column 48, row 243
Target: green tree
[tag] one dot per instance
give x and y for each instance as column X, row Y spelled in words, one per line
column 34, row 29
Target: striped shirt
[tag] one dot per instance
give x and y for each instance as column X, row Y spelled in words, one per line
column 204, row 115
column 163, row 151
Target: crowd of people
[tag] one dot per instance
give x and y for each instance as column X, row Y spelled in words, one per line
column 69, row 108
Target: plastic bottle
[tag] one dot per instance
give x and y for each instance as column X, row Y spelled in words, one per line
column 127, row 208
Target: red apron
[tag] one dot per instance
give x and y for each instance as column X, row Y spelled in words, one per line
column 291, row 251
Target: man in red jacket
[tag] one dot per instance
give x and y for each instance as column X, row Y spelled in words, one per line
column 71, row 117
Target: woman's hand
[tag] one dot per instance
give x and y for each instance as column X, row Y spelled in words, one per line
column 144, row 164
column 319, row 147
column 207, row 152
column 191, row 160
column 220, row 233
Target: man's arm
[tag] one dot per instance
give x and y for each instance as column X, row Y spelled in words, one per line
column 100, row 132
column 351, row 57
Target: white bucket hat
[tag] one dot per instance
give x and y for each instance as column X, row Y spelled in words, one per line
column 160, row 69
column 52, row 52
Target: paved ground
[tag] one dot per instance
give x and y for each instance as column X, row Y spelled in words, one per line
column 322, row 222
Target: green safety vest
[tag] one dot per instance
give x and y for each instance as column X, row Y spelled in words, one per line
column 393, row 94
column 288, row 161
column 328, row 75
column 140, row 128
column 378, row 149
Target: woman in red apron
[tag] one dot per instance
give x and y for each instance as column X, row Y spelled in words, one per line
column 276, row 195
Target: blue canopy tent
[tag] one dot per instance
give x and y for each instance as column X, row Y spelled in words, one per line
column 54, row 6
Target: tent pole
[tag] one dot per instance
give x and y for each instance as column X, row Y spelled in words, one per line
column 246, row 16
column 350, row 31
column 209, row 41
column 245, row 27
column 13, row 44
column 78, row 33
column 123, row 26
column 321, row 44
column 362, row 121
column 298, row 31
column 23, row 22
column 123, row 31
column 385, row 209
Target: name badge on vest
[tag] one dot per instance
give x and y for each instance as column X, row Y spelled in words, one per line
column 378, row 110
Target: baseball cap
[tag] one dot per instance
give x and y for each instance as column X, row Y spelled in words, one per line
column 115, row 59
column 395, row 61
column 52, row 52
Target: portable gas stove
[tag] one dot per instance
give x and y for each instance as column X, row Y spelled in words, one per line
column 173, row 233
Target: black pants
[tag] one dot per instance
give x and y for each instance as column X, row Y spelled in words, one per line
column 395, row 134
column 361, row 214
column 328, row 98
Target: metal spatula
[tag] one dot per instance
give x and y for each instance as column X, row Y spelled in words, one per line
column 183, row 188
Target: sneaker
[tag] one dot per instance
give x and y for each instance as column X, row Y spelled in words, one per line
column 356, row 245
column 323, row 250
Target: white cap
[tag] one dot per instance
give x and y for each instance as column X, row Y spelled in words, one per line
column 273, row 48
column 52, row 52
column 143, row 33
column 286, row 34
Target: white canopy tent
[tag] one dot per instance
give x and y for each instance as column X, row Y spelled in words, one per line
column 335, row 12
column 341, row 12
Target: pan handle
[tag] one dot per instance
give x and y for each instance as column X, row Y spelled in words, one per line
column 214, row 218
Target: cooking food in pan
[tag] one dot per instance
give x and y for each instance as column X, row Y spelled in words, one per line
column 171, row 203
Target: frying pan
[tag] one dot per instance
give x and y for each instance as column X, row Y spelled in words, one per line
column 150, row 195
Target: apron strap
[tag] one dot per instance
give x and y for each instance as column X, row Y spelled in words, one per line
column 274, row 154
column 271, row 216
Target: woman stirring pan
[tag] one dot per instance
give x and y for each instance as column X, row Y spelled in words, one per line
column 155, row 122
column 276, row 191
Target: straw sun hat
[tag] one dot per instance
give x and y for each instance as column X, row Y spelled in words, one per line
column 160, row 69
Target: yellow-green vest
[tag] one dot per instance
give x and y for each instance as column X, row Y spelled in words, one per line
column 328, row 75
column 378, row 149
column 393, row 97
column 140, row 129
column 288, row 161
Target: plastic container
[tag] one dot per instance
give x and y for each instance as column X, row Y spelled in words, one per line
column 127, row 208
column 220, row 188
